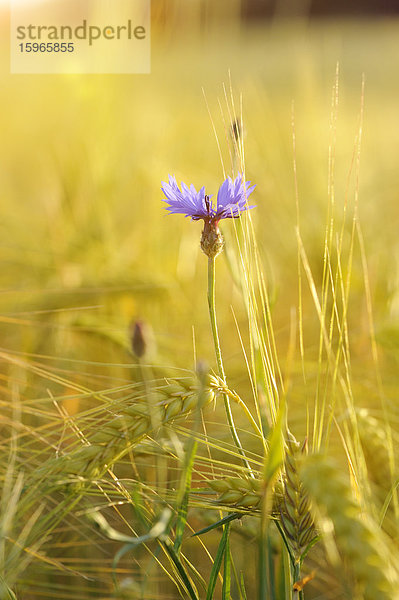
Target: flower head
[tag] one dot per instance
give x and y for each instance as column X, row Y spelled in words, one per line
column 232, row 200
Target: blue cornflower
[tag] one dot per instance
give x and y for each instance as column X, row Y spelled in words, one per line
column 231, row 202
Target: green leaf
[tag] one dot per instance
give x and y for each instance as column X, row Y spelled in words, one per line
column 157, row 531
column 218, row 562
column 242, row 587
column 185, row 485
column 272, row 464
column 223, row 521
column 275, row 456
column 180, row 568
column 227, row 572
column 6, row 593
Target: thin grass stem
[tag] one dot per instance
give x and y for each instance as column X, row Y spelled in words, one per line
column 219, row 360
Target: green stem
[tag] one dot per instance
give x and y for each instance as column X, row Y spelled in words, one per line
column 297, row 595
column 216, row 342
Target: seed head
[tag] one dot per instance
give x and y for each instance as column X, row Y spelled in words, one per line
column 139, row 341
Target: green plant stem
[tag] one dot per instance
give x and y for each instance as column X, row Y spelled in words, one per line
column 218, row 352
column 297, row 595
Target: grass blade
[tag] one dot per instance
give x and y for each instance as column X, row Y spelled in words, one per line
column 218, row 562
column 180, row 568
column 219, row 523
column 227, row 572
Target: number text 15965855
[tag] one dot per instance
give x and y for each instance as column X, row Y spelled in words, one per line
column 47, row 47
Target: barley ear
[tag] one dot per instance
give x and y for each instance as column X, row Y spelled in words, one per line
column 358, row 538
column 239, row 492
column 118, row 435
column 373, row 439
column 294, row 511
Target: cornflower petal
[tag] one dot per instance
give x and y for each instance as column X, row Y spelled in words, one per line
column 186, row 201
column 231, row 200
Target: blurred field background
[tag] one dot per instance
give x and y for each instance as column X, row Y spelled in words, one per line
column 87, row 249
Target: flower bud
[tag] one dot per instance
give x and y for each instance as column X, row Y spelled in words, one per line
column 212, row 241
column 236, row 130
column 138, row 340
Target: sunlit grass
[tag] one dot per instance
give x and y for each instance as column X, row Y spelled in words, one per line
column 86, row 249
